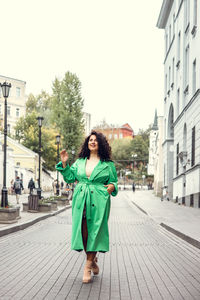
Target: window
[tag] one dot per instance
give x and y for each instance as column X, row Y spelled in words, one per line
column 178, row 48
column 165, row 84
column 8, row 110
column 121, row 135
column 17, row 92
column 178, row 102
column 166, row 43
column 195, row 13
column 193, row 147
column 115, row 136
column 177, row 159
column 169, row 83
column 194, row 77
column 173, row 72
column 164, row 173
column 186, row 71
column 170, row 34
column 110, row 136
column 187, row 13
column 17, row 112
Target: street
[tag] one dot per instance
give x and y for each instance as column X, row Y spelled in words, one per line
column 144, row 262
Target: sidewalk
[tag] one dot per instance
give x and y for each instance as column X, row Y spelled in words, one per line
column 181, row 220
column 28, row 218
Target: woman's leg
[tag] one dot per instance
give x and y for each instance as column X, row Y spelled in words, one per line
column 90, row 255
column 84, row 233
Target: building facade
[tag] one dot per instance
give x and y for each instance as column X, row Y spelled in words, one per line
column 155, row 164
column 87, row 123
column 181, row 146
column 116, row 132
column 24, row 163
column 16, row 103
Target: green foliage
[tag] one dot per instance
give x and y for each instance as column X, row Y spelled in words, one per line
column 66, row 107
column 121, row 152
column 27, row 133
column 124, row 150
column 139, row 146
column 62, row 113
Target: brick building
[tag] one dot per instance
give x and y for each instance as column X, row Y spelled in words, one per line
column 116, row 132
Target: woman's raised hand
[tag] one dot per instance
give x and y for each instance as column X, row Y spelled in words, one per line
column 64, row 157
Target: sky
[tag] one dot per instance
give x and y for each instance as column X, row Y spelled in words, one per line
column 113, row 46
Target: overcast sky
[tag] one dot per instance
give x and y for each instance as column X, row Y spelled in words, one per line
column 113, row 46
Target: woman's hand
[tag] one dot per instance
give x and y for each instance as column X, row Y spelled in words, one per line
column 64, row 157
column 110, row 188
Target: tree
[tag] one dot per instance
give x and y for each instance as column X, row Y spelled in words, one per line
column 66, row 107
column 27, row 133
column 121, row 152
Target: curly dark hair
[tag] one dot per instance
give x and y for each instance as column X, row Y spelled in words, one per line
column 104, row 150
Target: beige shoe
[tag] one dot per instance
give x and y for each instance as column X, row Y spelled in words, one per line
column 87, row 272
column 95, row 268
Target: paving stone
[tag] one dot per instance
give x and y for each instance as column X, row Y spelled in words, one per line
column 144, row 262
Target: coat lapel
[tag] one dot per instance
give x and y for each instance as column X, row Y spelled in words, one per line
column 99, row 168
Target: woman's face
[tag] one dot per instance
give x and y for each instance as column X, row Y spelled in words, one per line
column 93, row 144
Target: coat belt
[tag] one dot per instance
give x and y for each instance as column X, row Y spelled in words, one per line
column 87, row 195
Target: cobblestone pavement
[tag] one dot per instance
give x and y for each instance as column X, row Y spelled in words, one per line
column 144, row 262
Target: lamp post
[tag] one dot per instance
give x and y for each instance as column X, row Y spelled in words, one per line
column 124, row 178
column 40, row 119
column 5, row 90
column 73, row 153
column 57, row 183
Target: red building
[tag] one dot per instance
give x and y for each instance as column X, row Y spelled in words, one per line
column 115, row 132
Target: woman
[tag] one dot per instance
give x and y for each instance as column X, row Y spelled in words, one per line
column 97, row 180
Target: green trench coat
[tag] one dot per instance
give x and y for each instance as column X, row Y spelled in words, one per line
column 93, row 193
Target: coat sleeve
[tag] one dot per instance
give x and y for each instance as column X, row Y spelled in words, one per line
column 69, row 173
column 113, row 178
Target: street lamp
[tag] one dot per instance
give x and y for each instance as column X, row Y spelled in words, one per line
column 134, row 156
column 40, row 119
column 5, row 91
column 57, row 184
column 73, row 153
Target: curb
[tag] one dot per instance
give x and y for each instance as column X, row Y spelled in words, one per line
column 181, row 235
column 32, row 222
column 140, row 208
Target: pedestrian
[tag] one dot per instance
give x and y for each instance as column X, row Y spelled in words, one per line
column 62, row 184
column 97, row 179
column 133, row 187
column 31, row 186
column 12, row 187
column 18, row 187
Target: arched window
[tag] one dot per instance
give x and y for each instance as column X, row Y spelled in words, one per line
column 170, row 132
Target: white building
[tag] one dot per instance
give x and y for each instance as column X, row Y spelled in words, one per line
column 16, row 106
column 155, row 164
column 24, row 163
column 181, row 146
column 87, row 122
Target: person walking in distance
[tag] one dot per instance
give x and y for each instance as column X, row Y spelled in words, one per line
column 133, row 187
column 18, row 187
column 31, row 186
column 96, row 178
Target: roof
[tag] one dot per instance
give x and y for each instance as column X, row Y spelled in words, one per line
column 12, row 78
